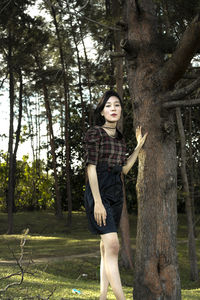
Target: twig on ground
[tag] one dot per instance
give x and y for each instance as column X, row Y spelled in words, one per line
column 19, row 264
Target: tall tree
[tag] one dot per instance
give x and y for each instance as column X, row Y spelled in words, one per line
column 150, row 81
column 194, row 272
column 10, row 194
column 66, row 101
column 13, row 25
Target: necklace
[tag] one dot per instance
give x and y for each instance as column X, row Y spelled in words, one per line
column 111, row 135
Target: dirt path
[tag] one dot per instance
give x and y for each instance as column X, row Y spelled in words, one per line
column 50, row 259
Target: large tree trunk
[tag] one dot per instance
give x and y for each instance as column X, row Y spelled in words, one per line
column 194, row 272
column 150, row 81
column 156, row 269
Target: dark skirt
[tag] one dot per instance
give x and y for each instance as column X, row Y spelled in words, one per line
column 111, row 191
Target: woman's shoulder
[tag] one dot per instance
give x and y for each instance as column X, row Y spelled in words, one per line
column 94, row 130
column 93, row 133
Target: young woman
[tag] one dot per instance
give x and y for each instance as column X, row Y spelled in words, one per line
column 106, row 160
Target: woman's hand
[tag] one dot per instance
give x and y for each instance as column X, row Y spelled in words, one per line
column 140, row 139
column 100, row 213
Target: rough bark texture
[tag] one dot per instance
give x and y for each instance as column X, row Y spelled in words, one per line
column 156, row 268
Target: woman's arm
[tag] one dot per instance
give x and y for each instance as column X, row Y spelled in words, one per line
column 132, row 158
column 99, row 209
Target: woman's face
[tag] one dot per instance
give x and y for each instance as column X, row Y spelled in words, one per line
column 112, row 110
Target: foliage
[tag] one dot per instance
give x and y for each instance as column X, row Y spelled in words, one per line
column 34, row 185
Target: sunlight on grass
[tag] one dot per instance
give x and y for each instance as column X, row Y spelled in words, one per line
column 191, row 294
column 65, row 275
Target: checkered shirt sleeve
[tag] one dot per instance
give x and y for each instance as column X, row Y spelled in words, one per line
column 92, row 145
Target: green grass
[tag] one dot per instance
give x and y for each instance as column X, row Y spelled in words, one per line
column 48, row 238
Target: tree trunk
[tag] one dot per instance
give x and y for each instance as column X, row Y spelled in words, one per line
column 17, row 137
column 10, row 145
column 191, row 168
column 188, row 202
column 53, row 151
column 79, row 76
column 156, row 268
column 87, row 70
column 58, row 207
column 65, row 86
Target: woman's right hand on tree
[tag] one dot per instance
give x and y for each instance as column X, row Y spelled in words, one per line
column 100, row 213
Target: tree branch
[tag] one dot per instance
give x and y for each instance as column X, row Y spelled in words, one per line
column 19, row 264
column 79, row 15
column 187, row 102
column 175, row 67
column 182, row 92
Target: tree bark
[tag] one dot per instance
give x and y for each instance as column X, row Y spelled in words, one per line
column 186, row 102
column 188, row 203
column 156, row 268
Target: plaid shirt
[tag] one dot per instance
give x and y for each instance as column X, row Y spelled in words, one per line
column 101, row 148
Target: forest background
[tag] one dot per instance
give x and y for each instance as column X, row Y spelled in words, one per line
column 54, row 68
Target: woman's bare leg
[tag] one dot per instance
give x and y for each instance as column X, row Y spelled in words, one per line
column 111, row 250
column 104, row 283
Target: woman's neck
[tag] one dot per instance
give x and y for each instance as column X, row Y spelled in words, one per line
column 110, row 125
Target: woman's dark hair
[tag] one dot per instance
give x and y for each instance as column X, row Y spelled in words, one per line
column 99, row 119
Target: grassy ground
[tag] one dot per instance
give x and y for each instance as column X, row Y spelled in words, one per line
column 50, row 239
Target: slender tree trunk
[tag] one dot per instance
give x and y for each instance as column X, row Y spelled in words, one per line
column 65, row 85
column 79, row 76
column 87, row 70
column 53, row 151
column 191, row 167
column 17, row 136
column 58, row 206
column 188, row 202
column 126, row 254
column 11, row 131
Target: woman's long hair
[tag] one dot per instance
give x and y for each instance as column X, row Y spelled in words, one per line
column 98, row 118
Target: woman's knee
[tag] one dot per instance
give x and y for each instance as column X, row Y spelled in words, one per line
column 110, row 244
column 114, row 247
